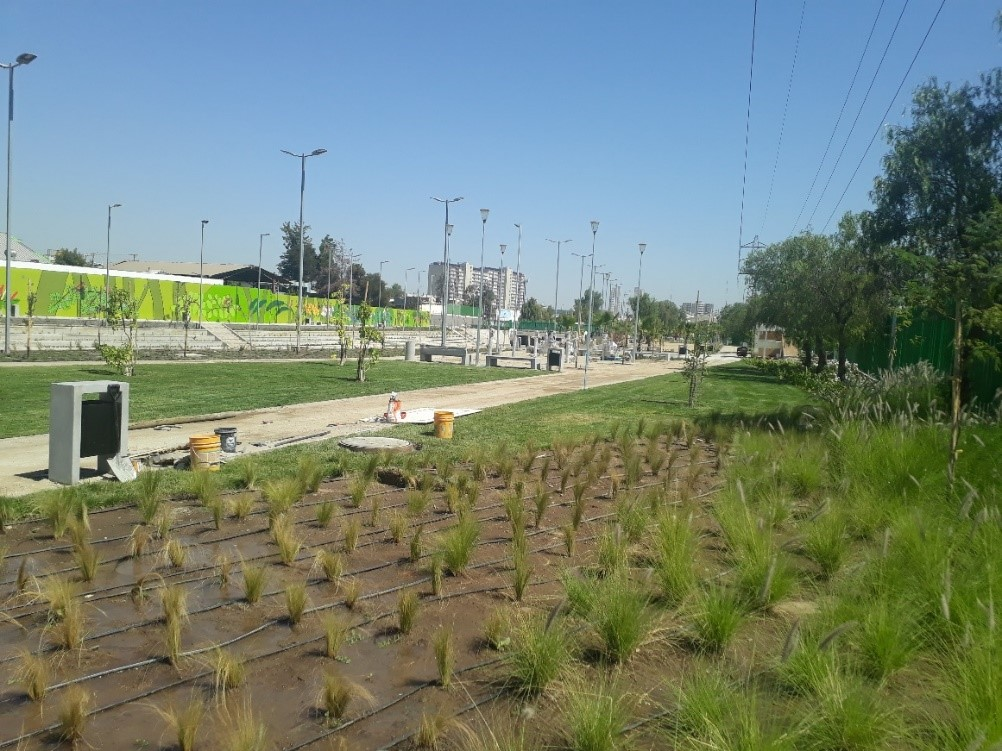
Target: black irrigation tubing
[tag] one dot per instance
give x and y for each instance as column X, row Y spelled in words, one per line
column 281, row 650
column 264, row 626
column 476, row 704
column 194, row 523
column 119, row 590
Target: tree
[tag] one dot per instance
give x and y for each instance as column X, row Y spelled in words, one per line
column 288, row 265
column 581, row 305
column 736, row 323
column 122, row 312
column 66, row 257
column 368, row 335
column 471, row 297
column 941, row 182
column 395, row 296
column 532, row 310
column 330, row 266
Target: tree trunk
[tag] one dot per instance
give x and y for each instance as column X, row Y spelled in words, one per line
column 955, row 384
column 806, row 354
column 822, row 355
column 842, row 355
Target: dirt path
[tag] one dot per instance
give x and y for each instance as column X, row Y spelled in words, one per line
column 24, row 460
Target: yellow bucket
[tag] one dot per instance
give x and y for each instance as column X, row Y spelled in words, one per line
column 204, row 450
column 443, row 424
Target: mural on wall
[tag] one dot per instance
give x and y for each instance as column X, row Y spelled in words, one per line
column 78, row 294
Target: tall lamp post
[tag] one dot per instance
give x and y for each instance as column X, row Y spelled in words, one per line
column 518, row 287
column 23, row 59
column 107, row 256
column 407, row 289
column 417, row 302
column 381, row 285
column 636, row 307
column 497, row 343
column 260, row 257
column 591, row 288
column 302, row 230
column 577, row 307
column 351, row 279
column 445, row 259
column 556, row 286
column 201, row 258
column 480, row 304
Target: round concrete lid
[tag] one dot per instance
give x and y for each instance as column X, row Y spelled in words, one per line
column 376, row 443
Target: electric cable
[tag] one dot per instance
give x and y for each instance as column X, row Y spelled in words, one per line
column 859, row 112
column 744, row 177
column 838, row 120
column 786, row 107
column 880, row 125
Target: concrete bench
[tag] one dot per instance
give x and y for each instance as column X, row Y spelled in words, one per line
column 428, row 351
column 493, row 361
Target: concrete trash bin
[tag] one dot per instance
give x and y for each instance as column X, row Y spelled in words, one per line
column 227, row 439
column 410, row 350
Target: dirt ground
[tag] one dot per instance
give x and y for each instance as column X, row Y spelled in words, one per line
column 24, row 460
column 121, row 664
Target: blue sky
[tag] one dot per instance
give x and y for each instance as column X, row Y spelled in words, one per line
column 551, row 113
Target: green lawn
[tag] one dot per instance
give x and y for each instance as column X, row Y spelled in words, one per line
column 733, row 391
column 177, row 390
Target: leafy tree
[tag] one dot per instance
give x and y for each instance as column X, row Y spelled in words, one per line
column 532, row 310
column 368, row 335
column 330, row 260
column 736, row 323
column 395, row 296
column 471, row 297
column 581, row 305
column 937, row 196
column 66, row 257
column 122, row 312
column 288, row 264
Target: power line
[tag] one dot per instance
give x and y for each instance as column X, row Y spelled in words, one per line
column 886, row 112
column 859, row 112
column 744, row 177
column 786, row 107
column 838, row 120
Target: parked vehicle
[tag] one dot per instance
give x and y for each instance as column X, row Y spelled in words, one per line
column 743, row 350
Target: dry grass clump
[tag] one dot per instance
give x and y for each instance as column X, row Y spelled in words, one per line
column 88, row 561
column 351, row 528
column 281, row 495
column 150, row 495
column 175, row 552
column 309, row 473
column 398, row 526
column 185, row 722
column 241, row 505
column 285, row 540
column 325, row 514
column 336, row 632
column 228, row 672
column 352, row 591
column 538, row 653
column 255, row 577
column 408, row 605
column 243, row 730
column 296, row 601
column 337, row 693
column 445, row 655
column 32, row 674
column 456, row 544
column 73, row 712
column 330, row 563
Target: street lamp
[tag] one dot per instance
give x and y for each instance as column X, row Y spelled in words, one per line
column 302, row 230
column 260, row 251
column 201, row 258
column 381, row 286
column 578, row 305
column 107, row 256
column 497, row 343
column 556, row 286
column 23, row 59
column 591, row 288
column 480, row 304
column 351, row 279
column 446, row 275
column 518, row 309
column 636, row 307
column 406, row 289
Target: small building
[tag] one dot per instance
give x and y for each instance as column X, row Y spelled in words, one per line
column 769, row 342
column 235, row 274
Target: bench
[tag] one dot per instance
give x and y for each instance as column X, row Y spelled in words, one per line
column 428, row 351
column 493, row 361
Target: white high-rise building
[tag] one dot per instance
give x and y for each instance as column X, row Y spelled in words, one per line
column 508, row 287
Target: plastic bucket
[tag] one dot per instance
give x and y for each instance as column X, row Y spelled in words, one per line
column 227, row 439
column 204, row 450
column 443, row 424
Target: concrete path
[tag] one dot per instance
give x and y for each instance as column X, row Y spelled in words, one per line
column 24, row 460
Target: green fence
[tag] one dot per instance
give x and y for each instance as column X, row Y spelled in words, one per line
column 928, row 336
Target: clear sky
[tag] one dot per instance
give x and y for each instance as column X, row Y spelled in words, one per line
column 550, row 113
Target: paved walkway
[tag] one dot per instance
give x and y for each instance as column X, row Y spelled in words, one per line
column 24, row 460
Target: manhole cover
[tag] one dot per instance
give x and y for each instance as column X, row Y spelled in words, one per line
column 376, row 443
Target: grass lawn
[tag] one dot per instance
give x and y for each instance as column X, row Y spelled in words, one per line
column 183, row 389
column 734, row 391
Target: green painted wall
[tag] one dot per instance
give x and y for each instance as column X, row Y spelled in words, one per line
column 77, row 294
